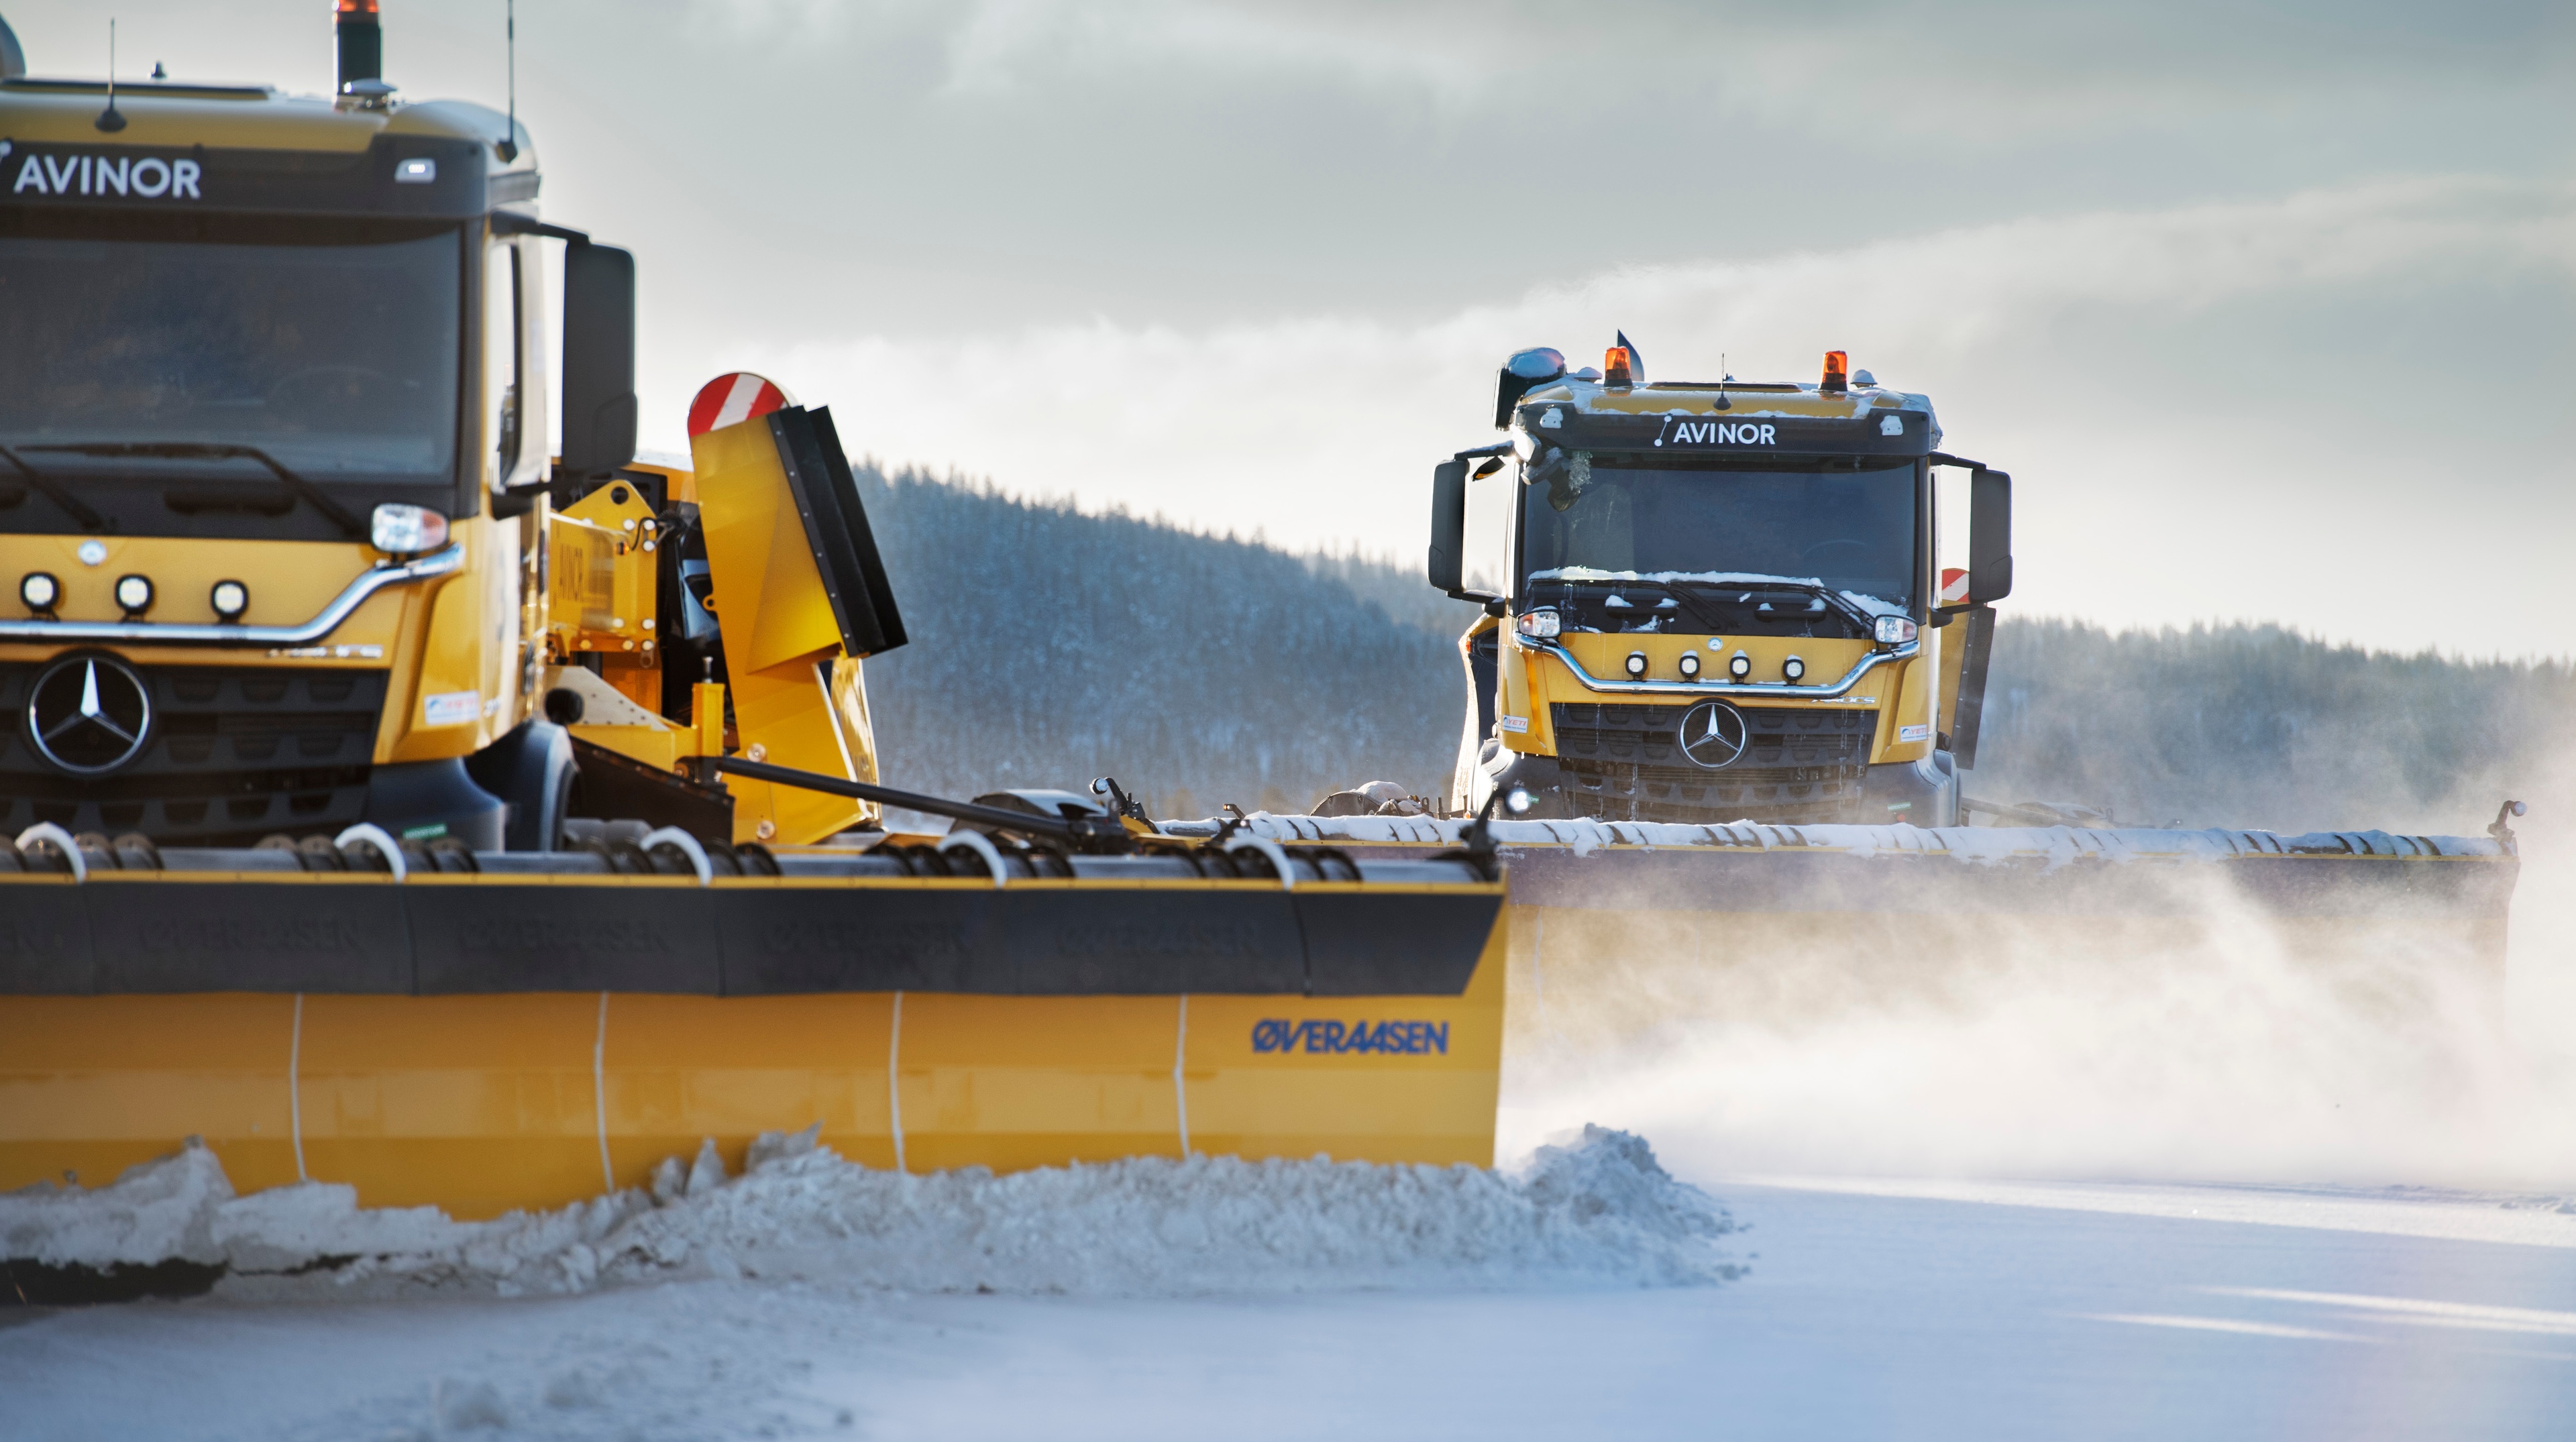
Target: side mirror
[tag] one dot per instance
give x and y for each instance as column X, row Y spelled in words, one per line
column 1990, row 562
column 599, row 359
column 1447, row 568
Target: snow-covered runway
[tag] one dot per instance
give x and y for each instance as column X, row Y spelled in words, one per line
column 1871, row 1309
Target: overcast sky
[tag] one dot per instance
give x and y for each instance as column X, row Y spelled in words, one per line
column 2270, row 309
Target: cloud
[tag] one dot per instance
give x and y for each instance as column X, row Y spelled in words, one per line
column 2031, row 336
column 1222, row 424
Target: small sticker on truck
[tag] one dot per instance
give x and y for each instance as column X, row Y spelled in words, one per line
column 1913, row 733
column 454, row 708
column 1515, row 724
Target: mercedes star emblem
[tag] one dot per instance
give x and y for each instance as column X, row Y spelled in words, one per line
column 89, row 715
column 1713, row 734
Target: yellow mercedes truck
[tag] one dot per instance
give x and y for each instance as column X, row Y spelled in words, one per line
column 283, row 544
column 1713, row 601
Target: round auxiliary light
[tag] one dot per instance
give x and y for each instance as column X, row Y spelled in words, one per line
column 230, row 599
column 1739, row 666
column 1636, row 665
column 1690, row 665
column 134, row 594
column 1793, row 668
column 40, row 592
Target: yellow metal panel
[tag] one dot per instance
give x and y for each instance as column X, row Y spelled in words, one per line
column 475, row 1103
column 96, row 1084
column 445, row 660
column 766, row 587
column 683, row 1069
column 1912, row 689
column 1016, row 1082
column 785, row 712
column 1948, row 646
column 657, row 747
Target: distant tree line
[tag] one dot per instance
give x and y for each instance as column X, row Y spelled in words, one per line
column 2259, row 726
column 1050, row 646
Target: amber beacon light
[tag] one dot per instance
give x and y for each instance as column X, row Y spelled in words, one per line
column 362, row 42
column 1837, row 372
column 1616, row 368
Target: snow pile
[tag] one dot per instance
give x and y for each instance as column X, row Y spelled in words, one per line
column 1596, row 1210
column 181, row 1208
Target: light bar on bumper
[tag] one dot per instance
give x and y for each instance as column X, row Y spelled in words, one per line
column 1823, row 691
column 368, row 583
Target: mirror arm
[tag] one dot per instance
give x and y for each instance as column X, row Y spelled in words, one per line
column 511, row 223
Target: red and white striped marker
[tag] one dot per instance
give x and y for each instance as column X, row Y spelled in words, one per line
column 1954, row 586
column 729, row 400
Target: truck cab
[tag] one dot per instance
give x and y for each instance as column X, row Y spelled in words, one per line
column 274, row 461
column 1716, row 601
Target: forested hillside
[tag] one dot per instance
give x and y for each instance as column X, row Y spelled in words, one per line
column 1050, row 646
column 2256, row 725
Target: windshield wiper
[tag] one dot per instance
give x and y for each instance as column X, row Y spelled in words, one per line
column 1683, row 599
column 1832, row 598
column 305, row 490
column 72, row 505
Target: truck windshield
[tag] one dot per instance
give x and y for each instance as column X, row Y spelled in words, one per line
column 1718, row 550
column 331, row 346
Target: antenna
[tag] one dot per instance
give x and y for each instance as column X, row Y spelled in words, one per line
column 108, row 120
column 509, row 146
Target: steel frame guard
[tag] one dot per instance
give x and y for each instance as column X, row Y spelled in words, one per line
column 367, row 584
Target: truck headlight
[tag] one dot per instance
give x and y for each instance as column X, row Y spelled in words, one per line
column 1690, row 665
column 1895, row 630
column 230, row 599
column 400, row 530
column 1636, row 665
column 1794, row 668
column 39, row 592
column 1541, row 625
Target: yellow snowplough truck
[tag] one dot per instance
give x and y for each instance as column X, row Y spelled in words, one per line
column 1723, row 694
column 388, row 802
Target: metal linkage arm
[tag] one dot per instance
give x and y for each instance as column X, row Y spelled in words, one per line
column 1086, row 833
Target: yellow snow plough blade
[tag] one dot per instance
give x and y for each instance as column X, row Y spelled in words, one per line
column 1631, row 927
column 540, row 1030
